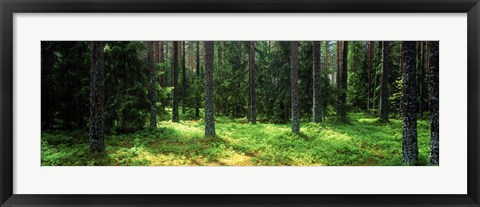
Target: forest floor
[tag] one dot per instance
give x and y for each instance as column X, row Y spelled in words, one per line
column 362, row 142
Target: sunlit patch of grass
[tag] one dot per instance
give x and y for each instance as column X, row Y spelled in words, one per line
column 362, row 142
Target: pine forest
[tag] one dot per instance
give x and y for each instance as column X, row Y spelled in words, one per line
column 240, row 103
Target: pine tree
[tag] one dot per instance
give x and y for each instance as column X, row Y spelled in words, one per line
column 294, row 87
column 384, row 93
column 176, row 91
column 434, row 102
column 316, row 71
column 152, row 85
column 197, row 98
column 253, row 99
column 342, row 113
column 184, row 79
column 96, row 133
column 409, row 143
column 209, row 102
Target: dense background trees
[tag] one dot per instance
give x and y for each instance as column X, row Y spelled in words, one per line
column 279, row 82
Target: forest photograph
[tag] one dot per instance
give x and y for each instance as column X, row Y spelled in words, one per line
column 240, row 103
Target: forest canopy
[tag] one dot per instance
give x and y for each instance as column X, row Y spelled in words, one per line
column 240, row 103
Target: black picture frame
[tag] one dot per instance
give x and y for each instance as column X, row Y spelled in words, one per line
column 9, row 7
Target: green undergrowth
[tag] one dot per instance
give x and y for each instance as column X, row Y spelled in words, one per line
column 364, row 141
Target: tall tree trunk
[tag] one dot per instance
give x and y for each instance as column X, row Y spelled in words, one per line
column 160, row 60
column 253, row 98
column 370, row 71
column 197, row 98
column 152, row 85
column 166, row 79
column 409, row 143
column 342, row 113
column 338, row 76
column 326, row 57
column 339, row 65
column 176, row 91
column 421, row 79
column 96, row 134
column 316, row 71
column 209, row 102
column 434, row 101
column 375, row 79
column 184, row 79
column 384, row 82
column 294, row 88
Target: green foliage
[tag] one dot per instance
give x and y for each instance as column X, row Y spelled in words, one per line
column 364, row 141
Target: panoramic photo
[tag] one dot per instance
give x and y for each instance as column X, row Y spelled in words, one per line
column 239, row 103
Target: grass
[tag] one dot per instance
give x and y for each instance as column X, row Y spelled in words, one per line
column 363, row 142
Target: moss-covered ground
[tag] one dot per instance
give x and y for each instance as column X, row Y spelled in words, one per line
column 362, row 142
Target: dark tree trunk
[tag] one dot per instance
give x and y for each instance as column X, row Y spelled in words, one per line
column 384, row 82
column 338, row 77
column 184, row 80
column 96, row 133
column 342, row 111
column 160, row 60
column 209, row 104
column 176, row 92
column 434, row 101
column 422, row 78
column 317, row 111
column 409, row 144
column 370, row 71
column 197, row 98
column 339, row 66
column 294, row 88
column 152, row 86
column 253, row 98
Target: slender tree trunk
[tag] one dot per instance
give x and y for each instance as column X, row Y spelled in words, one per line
column 176, row 91
column 409, row 143
column 184, row 80
column 316, row 71
column 253, row 98
column 209, row 102
column 421, row 79
column 342, row 113
column 96, row 133
column 152, row 85
column 166, row 79
column 160, row 60
column 434, row 101
column 294, row 88
column 339, row 65
column 384, row 82
column 197, row 98
column 338, row 77
column 370, row 71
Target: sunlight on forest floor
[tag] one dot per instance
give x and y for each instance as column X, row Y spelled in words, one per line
column 363, row 142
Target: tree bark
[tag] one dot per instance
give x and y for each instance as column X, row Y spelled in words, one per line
column 184, row 79
column 294, row 88
column 176, row 91
column 384, row 82
column 316, row 71
column 96, row 133
column 421, row 79
column 370, row 71
column 342, row 113
column 409, row 143
column 197, row 98
column 209, row 102
column 434, row 101
column 152, row 85
column 253, row 98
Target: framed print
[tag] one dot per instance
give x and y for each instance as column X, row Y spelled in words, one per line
column 265, row 103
